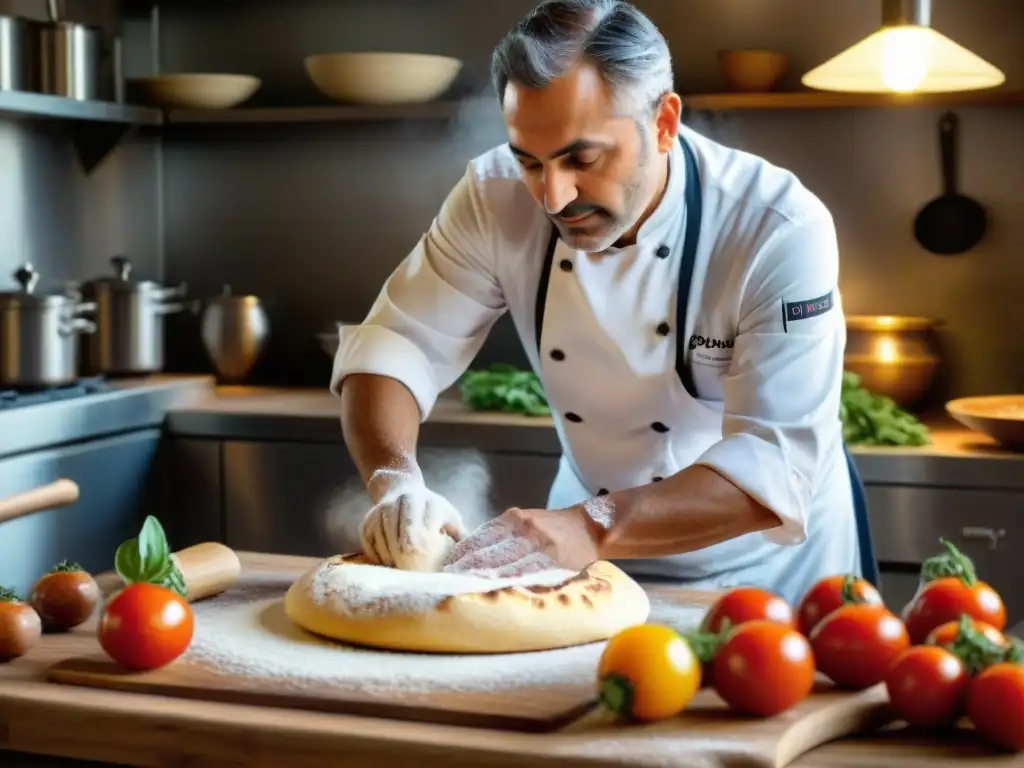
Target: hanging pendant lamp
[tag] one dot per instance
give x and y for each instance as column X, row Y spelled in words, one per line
column 905, row 56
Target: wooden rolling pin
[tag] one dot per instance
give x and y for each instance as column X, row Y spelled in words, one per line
column 59, row 493
column 209, row 568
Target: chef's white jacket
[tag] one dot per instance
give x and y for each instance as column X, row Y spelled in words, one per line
column 763, row 337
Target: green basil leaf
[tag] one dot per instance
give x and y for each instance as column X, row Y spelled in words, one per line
column 153, row 548
column 127, row 562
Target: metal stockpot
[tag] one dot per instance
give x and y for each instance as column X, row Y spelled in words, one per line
column 129, row 338
column 38, row 344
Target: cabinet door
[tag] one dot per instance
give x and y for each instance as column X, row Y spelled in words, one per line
column 114, row 477
column 308, row 499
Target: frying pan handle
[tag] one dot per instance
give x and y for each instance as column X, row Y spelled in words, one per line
column 59, row 493
column 948, row 129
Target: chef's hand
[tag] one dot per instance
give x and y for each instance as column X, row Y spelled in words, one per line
column 405, row 513
column 521, row 541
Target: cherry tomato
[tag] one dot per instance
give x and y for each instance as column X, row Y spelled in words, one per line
column 648, row 672
column 830, row 594
column 65, row 597
column 995, row 704
column 857, row 644
column 946, row 634
column 744, row 604
column 946, row 599
column 927, row 685
column 145, row 626
column 764, row 668
column 20, row 628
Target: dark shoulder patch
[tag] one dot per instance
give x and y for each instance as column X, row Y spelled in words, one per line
column 804, row 310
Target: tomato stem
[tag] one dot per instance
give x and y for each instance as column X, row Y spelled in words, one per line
column 64, row 566
column 617, row 694
column 952, row 562
column 706, row 644
column 8, row 595
column 975, row 649
column 848, row 593
column 1014, row 653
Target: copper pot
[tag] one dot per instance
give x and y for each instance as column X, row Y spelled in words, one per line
column 894, row 355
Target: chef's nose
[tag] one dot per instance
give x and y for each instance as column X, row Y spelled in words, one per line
column 559, row 189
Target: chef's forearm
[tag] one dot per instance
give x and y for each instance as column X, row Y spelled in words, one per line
column 380, row 421
column 690, row 510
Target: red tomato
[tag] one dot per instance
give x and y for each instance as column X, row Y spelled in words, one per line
column 927, row 685
column 145, row 626
column 764, row 668
column 829, row 595
column 856, row 645
column 946, row 634
column 995, row 704
column 946, row 599
column 744, row 604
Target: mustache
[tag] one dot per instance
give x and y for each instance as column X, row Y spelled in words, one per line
column 577, row 208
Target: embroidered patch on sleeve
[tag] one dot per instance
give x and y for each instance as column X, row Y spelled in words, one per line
column 803, row 310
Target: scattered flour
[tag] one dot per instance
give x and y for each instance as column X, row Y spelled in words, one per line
column 369, row 590
column 246, row 632
column 601, row 511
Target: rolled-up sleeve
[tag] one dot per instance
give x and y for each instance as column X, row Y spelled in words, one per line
column 435, row 310
column 781, row 393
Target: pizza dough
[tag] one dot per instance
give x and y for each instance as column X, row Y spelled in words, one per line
column 432, row 557
column 347, row 599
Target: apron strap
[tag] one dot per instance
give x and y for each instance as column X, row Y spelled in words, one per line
column 868, row 562
column 694, row 205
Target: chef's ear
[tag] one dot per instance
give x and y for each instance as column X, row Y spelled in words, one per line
column 666, row 120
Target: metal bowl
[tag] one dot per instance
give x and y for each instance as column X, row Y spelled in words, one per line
column 894, row 355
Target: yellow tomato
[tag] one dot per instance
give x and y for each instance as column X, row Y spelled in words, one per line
column 648, row 672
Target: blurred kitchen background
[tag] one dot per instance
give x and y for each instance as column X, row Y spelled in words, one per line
column 310, row 209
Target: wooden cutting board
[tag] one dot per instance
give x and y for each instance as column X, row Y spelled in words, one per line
column 706, row 730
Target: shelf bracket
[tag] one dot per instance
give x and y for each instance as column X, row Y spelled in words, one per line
column 95, row 140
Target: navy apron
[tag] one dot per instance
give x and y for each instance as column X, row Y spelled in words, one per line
column 694, row 205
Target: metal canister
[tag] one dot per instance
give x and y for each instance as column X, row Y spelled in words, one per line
column 70, row 60
column 38, row 334
column 129, row 339
column 17, row 64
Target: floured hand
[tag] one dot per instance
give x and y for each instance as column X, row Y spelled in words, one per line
column 410, row 527
column 524, row 541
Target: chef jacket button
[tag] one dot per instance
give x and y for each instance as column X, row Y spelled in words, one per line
column 575, row 418
column 663, row 329
column 557, row 354
column 602, row 491
column 662, row 252
column 566, row 265
column 659, row 427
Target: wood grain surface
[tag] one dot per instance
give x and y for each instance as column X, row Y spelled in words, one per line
column 151, row 730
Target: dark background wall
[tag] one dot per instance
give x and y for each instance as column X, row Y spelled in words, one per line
column 314, row 217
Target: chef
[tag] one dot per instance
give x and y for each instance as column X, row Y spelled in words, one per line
column 677, row 298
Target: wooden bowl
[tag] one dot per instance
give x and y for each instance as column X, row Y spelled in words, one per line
column 1001, row 417
column 195, row 91
column 752, row 71
column 382, row 78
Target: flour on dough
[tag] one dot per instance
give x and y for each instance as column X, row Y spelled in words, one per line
column 431, row 557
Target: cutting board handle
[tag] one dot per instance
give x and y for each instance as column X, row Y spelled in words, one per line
column 59, row 493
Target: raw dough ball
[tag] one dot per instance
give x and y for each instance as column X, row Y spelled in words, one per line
column 431, row 557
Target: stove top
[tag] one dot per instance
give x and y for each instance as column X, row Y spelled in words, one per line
column 13, row 398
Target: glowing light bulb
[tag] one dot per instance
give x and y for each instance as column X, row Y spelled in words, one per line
column 905, row 58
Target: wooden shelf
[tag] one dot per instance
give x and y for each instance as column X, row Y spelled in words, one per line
column 25, row 104
column 436, row 110
column 831, row 100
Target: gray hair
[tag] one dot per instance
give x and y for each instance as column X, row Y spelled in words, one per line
column 616, row 37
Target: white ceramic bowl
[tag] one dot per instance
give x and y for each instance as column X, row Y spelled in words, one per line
column 196, row 91
column 382, row 78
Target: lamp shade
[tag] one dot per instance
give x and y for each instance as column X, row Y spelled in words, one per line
column 908, row 58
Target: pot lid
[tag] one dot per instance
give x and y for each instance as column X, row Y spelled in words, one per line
column 121, row 279
column 27, row 277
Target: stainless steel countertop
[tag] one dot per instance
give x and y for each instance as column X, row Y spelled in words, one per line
column 131, row 404
column 957, row 458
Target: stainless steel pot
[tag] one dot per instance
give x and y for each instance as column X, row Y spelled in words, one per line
column 17, row 64
column 70, row 56
column 129, row 338
column 38, row 344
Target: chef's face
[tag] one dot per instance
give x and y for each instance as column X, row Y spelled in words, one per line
column 596, row 169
